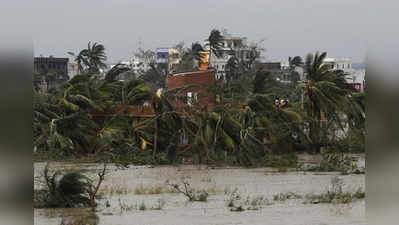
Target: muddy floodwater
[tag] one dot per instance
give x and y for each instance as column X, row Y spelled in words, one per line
column 125, row 190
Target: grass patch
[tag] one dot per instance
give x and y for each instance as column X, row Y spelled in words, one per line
column 281, row 161
column 156, row 189
column 335, row 194
column 160, row 204
column 115, row 189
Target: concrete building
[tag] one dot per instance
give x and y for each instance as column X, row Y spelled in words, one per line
column 54, row 66
column 277, row 69
column 358, row 78
column 232, row 46
column 174, row 59
column 167, row 59
column 344, row 64
column 44, row 65
column 353, row 76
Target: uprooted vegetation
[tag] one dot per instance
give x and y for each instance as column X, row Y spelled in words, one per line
column 286, row 196
column 199, row 195
column 334, row 194
column 68, row 190
column 237, row 203
column 142, row 206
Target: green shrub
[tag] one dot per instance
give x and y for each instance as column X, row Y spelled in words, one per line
column 280, row 161
column 334, row 194
column 63, row 191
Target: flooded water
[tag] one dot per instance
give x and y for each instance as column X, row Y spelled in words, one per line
column 123, row 189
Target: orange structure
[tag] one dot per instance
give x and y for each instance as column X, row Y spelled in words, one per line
column 203, row 63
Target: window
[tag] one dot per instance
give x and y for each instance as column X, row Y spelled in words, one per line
column 191, row 98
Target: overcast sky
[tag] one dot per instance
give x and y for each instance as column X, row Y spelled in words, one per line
column 289, row 27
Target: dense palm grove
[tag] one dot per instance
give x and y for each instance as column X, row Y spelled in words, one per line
column 87, row 115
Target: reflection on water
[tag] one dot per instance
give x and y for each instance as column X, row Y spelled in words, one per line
column 122, row 189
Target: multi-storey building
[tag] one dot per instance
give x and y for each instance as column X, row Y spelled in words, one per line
column 231, row 46
column 344, row 64
column 167, row 59
column 53, row 71
column 45, row 65
column 353, row 76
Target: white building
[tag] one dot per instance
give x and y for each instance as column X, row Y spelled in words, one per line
column 134, row 64
column 232, row 46
column 353, row 76
column 344, row 64
column 72, row 70
column 174, row 59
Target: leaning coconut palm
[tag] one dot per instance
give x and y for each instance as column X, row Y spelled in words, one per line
column 295, row 61
column 325, row 92
column 195, row 51
column 92, row 59
column 232, row 70
column 215, row 44
column 213, row 135
column 166, row 117
column 82, row 111
column 189, row 57
column 276, row 126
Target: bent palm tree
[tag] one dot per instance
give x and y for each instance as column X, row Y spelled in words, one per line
column 215, row 43
column 91, row 59
column 325, row 93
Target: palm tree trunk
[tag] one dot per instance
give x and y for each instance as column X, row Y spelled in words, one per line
column 154, row 151
column 222, row 94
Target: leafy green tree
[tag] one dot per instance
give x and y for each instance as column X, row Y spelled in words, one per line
column 37, row 81
column 155, row 77
column 189, row 56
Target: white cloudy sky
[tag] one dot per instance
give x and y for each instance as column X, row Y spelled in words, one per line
column 290, row 27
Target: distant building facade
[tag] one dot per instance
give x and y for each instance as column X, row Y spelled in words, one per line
column 44, row 65
column 51, row 66
column 344, row 64
column 356, row 77
column 167, row 59
column 231, row 46
column 276, row 69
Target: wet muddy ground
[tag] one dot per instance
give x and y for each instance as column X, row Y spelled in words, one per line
column 126, row 190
